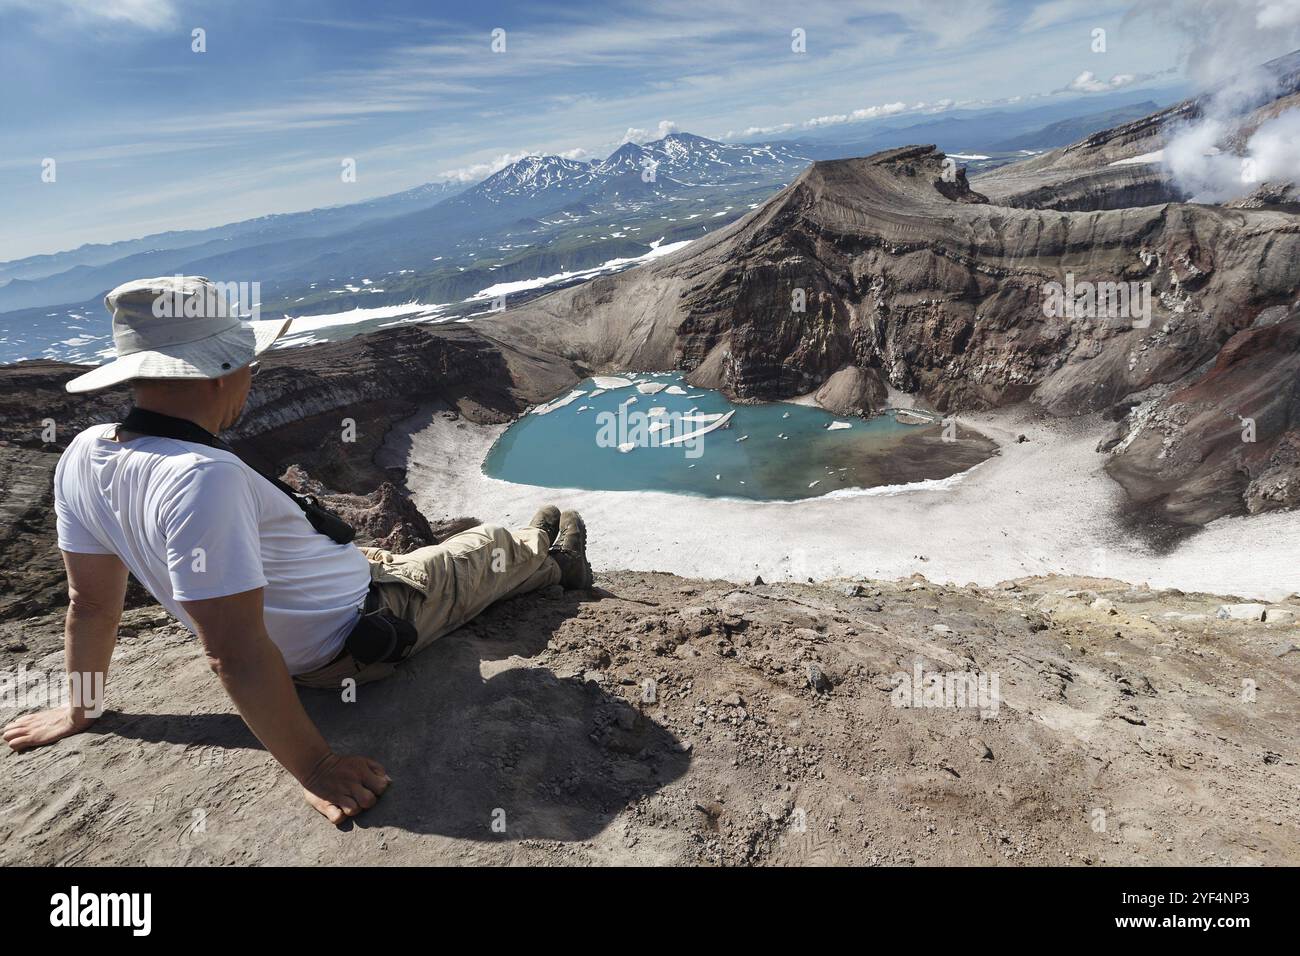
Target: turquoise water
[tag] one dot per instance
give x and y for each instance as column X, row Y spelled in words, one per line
column 766, row 452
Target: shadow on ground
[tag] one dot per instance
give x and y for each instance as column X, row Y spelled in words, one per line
column 520, row 754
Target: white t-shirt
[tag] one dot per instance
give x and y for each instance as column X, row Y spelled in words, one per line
column 193, row 522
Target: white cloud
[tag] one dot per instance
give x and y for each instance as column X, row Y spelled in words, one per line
column 148, row 14
column 476, row 171
column 1277, row 14
column 835, row 119
column 1088, row 82
column 636, row 135
column 870, row 112
column 759, row 131
column 578, row 152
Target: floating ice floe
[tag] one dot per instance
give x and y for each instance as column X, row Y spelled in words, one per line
column 627, row 446
column 583, row 408
column 741, row 438
column 606, row 382
column 675, row 390
column 657, row 427
column 630, row 401
column 786, row 415
column 650, row 388
column 597, row 391
column 836, row 426
column 656, row 411
column 814, row 483
column 700, row 431
column 549, row 407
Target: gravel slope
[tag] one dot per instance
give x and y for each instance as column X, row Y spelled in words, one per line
column 536, row 716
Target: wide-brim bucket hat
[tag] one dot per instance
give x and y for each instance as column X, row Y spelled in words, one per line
column 179, row 327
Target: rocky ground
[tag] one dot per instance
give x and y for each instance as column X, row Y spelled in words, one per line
column 662, row 720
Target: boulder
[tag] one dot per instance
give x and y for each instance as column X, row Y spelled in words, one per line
column 1241, row 612
column 853, row 391
column 1281, row 615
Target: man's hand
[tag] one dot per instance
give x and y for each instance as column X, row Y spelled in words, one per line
column 341, row 787
column 252, row 670
column 43, row 727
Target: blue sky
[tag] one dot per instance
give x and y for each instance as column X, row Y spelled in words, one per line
column 150, row 136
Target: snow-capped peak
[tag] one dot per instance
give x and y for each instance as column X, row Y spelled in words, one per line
column 534, row 174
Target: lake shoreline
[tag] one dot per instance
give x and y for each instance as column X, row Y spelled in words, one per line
column 653, row 433
column 1041, row 506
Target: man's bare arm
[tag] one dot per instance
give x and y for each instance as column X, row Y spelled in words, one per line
column 96, row 590
column 253, row 673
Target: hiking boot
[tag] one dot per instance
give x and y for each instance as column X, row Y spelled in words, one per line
column 548, row 519
column 570, row 552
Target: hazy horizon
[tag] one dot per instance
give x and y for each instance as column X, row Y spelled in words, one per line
column 261, row 120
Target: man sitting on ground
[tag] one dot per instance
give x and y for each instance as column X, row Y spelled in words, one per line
column 260, row 576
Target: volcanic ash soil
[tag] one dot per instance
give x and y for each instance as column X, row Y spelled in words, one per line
column 667, row 721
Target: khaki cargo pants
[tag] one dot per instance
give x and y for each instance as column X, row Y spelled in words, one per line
column 440, row 587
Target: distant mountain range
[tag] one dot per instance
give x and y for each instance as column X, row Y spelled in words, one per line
column 695, row 161
column 1067, row 131
column 407, row 231
column 249, row 231
column 675, row 161
column 985, row 129
column 444, row 242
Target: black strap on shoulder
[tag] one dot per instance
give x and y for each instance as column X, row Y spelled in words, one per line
column 142, row 421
